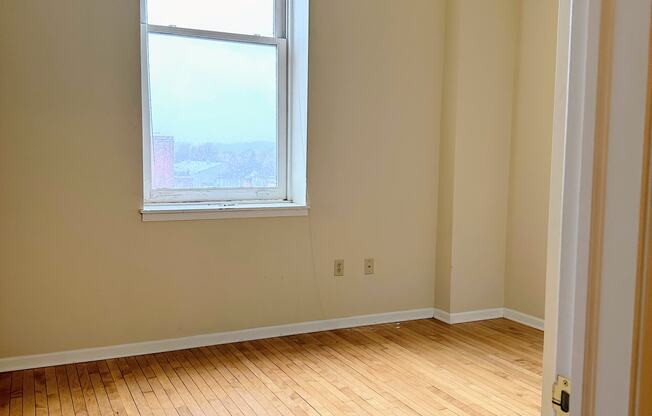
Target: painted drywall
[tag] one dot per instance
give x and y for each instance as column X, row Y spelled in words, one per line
column 495, row 150
column 481, row 41
column 531, row 145
column 447, row 161
column 74, row 254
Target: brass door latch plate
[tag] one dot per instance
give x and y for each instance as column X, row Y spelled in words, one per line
column 561, row 396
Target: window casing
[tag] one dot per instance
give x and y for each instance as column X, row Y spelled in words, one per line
column 289, row 186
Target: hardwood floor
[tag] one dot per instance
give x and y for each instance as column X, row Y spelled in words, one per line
column 412, row 368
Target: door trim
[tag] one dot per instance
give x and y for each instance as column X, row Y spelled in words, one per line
column 599, row 181
column 639, row 402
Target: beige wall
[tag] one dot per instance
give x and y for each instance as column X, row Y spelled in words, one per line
column 527, row 224
column 474, row 165
column 495, row 155
column 74, row 254
column 447, row 160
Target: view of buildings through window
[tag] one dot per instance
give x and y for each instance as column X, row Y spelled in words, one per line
column 186, row 165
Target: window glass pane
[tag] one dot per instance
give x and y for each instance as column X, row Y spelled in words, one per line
column 214, row 113
column 251, row 17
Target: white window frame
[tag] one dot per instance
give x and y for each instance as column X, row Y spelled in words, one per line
column 289, row 198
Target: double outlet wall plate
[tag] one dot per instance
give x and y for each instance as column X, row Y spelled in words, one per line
column 338, row 267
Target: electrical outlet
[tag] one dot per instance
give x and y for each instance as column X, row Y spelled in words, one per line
column 338, row 268
column 368, row 266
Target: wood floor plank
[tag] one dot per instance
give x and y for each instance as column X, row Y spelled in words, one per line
column 100, row 391
column 224, row 393
column 318, row 377
column 174, row 385
column 40, row 393
column 5, row 393
column 347, row 380
column 65, row 396
column 457, row 378
column 184, row 383
column 161, row 395
column 76, row 391
column 16, row 395
column 302, row 384
column 404, row 388
column 111, row 375
column 439, row 375
column 153, row 402
column 267, row 376
column 194, row 381
column 137, row 395
column 183, row 407
column 29, row 403
column 260, row 393
column 218, row 375
column 415, row 368
column 286, row 384
column 90, row 399
column 52, row 391
column 489, row 364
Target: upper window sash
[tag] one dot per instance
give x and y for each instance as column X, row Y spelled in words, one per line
column 279, row 24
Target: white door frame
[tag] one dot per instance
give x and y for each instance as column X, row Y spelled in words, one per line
column 570, row 196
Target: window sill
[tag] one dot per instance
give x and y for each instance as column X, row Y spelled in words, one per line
column 188, row 212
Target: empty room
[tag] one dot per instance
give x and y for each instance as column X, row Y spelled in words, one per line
column 324, row 207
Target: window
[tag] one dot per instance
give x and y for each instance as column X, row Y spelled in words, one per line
column 223, row 109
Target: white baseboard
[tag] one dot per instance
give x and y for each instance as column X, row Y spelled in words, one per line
column 471, row 316
column 482, row 315
column 150, row 347
column 521, row 318
column 125, row 350
column 443, row 316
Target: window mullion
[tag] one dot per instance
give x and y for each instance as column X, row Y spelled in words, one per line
column 280, row 18
column 208, row 34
